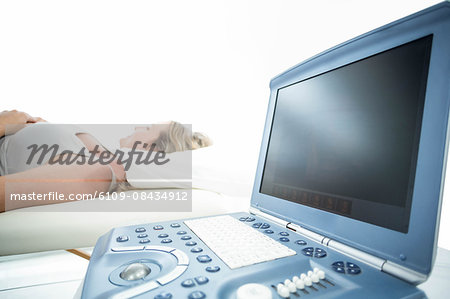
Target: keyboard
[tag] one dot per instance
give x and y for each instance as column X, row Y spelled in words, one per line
column 236, row 243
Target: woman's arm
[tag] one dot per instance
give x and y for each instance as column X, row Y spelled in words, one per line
column 63, row 179
column 16, row 120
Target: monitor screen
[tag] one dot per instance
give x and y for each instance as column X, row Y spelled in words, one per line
column 346, row 141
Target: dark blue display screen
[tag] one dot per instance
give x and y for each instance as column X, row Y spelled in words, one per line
column 346, row 141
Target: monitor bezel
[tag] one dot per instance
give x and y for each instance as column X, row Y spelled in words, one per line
column 415, row 249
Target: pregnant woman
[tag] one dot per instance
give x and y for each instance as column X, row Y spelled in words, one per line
column 20, row 174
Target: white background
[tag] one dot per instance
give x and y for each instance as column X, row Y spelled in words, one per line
column 202, row 62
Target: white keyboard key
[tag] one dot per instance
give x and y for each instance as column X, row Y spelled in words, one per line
column 307, row 281
column 283, row 291
column 299, row 284
column 292, row 288
column 321, row 274
column 315, row 278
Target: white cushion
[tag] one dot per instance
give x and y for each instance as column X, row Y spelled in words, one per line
column 38, row 229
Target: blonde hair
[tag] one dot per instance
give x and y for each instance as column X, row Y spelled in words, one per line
column 180, row 138
column 177, row 139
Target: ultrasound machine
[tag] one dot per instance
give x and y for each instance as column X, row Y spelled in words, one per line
column 347, row 193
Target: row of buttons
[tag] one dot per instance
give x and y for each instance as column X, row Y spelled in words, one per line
column 124, row 238
column 298, row 242
column 193, row 295
column 186, row 237
column 247, row 219
column 269, row 232
column 265, row 226
column 316, row 252
column 189, row 283
column 311, row 280
column 156, row 227
column 350, row 269
column 205, row 259
column 142, row 235
column 261, row 225
column 164, row 295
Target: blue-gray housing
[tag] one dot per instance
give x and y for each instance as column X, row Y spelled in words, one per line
column 415, row 249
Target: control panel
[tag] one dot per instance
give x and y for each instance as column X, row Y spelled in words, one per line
column 186, row 259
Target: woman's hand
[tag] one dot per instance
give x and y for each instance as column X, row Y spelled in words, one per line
column 15, row 120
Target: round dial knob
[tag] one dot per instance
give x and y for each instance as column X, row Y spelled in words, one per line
column 254, row 291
